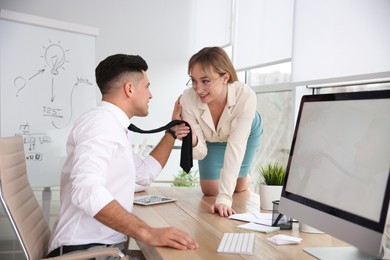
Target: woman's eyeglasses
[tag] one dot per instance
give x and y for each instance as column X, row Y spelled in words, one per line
column 205, row 84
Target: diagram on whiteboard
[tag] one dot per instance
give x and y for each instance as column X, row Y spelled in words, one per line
column 47, row 81
column 33, row 141
column 55, row 57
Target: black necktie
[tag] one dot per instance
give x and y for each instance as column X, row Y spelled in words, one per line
column 186, row 148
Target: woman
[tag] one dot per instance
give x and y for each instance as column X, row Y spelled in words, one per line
column 226, row 126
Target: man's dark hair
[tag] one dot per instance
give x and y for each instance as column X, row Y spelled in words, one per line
column 114, row 66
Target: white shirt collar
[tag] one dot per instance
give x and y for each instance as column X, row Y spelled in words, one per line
column 118, row 113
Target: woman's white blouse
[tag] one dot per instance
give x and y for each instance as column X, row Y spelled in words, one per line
column 233, row 127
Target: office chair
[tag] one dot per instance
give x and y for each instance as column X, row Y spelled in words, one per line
column 23, row 209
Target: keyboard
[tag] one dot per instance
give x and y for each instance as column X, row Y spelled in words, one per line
column 237, row 243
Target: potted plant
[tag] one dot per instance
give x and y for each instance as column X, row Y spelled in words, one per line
column 271, row 182
column 183, row 179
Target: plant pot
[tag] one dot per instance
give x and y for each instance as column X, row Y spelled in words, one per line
column 269, row 193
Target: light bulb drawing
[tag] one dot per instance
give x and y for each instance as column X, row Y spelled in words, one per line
column 55, row 57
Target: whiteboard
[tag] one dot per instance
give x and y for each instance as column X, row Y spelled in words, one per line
column 46, row 82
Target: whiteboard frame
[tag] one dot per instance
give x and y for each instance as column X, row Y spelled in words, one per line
column 48, row 23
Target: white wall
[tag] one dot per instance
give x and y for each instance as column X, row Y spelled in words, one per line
column 159, row 31
column 335, row 39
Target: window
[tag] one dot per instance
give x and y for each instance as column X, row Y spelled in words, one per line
column 276, row 107
column 278, row 73
column 277, row 113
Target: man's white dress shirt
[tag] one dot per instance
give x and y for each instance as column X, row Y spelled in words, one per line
column 100, row 167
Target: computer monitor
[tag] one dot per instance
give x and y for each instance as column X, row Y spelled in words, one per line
column 337, row 177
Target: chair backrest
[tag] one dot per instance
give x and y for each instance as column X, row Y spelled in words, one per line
column 19, row 200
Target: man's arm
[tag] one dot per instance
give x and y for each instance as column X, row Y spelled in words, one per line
column 163, row 149
column 116, row 217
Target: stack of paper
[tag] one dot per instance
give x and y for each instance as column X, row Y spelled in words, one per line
column 258, row 227
column 260, row 222
column 257, row 217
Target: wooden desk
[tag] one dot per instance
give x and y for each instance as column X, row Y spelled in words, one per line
column 191, row 213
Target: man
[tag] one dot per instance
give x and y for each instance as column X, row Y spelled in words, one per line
column 100, row 173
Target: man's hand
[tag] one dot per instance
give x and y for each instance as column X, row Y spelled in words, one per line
column 171, row 237
column 222, row 209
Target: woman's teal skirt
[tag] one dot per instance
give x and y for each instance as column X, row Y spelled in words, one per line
column 211, row 165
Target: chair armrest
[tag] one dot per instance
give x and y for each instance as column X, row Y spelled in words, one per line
column 86, row 254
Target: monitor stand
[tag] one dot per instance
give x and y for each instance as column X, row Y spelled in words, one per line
column 335, row 253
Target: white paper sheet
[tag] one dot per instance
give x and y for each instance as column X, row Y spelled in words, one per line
column 257, row 217
column 258, row 228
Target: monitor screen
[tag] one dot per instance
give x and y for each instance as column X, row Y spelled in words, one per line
column 338, row 171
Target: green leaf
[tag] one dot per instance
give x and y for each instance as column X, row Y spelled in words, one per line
column 272, row 174
column 184, row 179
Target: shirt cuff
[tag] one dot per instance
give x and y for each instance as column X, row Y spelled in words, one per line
column 227, row 185
column 224, row 199
column 148, row 172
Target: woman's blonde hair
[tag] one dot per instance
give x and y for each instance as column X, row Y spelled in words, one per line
column 213, row 58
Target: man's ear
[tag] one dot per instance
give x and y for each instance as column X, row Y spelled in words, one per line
column 128, row 88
